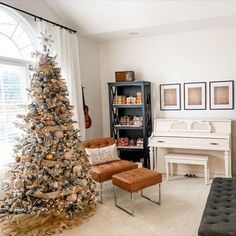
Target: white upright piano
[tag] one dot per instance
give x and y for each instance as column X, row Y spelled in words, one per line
column 190, row 134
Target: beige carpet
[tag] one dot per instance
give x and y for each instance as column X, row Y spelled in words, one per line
column 183, row 201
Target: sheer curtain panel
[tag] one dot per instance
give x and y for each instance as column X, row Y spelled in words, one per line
column 67, row 51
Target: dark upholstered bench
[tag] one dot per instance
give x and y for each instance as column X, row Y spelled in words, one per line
column 219, row 216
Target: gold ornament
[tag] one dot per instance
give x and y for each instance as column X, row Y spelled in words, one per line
column 17, row 158
column 70, row 127
column 49, row 118
column 93, row 197
column 69, row 154
column 49, row 156
column 17, row 184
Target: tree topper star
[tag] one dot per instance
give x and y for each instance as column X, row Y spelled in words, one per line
column 46, row 39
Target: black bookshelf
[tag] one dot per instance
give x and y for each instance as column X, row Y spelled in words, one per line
column 143, row 131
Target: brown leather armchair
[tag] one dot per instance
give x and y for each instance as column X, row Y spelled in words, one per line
column 104, row 172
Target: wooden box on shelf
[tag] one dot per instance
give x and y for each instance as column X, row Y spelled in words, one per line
column 122, row 76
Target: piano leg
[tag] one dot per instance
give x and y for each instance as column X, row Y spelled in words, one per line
column 171, row 169
column 206, row 169
column 167, row 170
column 151, row 158
column 226, row 153
column 155, row 158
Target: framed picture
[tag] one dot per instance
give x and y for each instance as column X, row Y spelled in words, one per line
column 195, row 96
column 221, row 95
column 170, row 97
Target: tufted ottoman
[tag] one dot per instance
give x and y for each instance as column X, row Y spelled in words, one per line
column 219, row 216
column 135, row 180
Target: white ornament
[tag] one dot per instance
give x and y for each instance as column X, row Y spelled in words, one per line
column 92, row 186
column 59, row 134
column 77, row 169
column 72, row 197
column 83, row 182
column 56, row 185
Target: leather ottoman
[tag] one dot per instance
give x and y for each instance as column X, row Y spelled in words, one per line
column 135, row 180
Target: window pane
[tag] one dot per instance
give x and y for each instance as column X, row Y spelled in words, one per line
column 12, row 100
column 14, row 41
column 26, row 52
column 7, row 24
column 21, row 38
column 8, row 48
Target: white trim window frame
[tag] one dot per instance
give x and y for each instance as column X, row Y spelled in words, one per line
column 14, row 79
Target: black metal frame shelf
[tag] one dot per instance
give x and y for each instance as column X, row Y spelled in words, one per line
column 127, row 105
column 129, row 147
column 127, row 127
column 142, row 110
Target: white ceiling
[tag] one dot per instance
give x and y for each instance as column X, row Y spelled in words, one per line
column 115, row 19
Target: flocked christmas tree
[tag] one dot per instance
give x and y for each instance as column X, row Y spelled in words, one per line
column 50, row 186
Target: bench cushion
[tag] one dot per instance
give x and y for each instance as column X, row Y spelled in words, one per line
column 185, row 156
column 136, row 179
column 105, row 171
column 219, row 217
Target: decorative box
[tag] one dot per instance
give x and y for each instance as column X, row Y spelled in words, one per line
column 122, row 76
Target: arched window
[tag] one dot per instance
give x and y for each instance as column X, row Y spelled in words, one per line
column 16, row 45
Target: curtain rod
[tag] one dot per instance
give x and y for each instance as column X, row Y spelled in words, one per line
column 39, row 17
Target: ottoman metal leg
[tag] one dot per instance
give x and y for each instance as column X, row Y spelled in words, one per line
column 159, row 198
column 132, row 202
column 101, row 193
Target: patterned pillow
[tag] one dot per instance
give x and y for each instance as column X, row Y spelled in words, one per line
column 102, row 155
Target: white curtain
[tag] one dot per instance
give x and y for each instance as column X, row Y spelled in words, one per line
column 67, row 51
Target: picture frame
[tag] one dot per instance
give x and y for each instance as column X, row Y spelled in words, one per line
column 195, row 96
column 221, row 95
column 170, row 97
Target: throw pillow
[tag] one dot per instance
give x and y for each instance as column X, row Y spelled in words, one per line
column 102, row 155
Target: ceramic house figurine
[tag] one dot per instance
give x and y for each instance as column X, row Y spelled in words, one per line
column 139, row 142
column 133, row 100
column 139, row 97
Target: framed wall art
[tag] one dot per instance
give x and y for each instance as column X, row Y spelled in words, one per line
column 170, row 97
column 221, row 95
column 195, row 96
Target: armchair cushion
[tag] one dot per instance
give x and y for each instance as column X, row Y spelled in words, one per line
column 103, row 172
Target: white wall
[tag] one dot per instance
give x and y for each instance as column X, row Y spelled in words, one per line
column 206, row 55
column 90, row 76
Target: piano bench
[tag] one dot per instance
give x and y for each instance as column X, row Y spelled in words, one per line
column 180, row 158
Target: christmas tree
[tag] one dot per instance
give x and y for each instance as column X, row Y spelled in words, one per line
column 50, row 186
